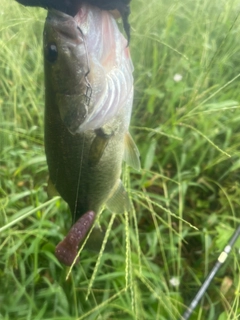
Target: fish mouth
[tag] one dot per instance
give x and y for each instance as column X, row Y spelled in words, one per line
column 73, row 111
column 64, row 25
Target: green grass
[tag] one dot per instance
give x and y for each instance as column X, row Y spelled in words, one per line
column 186, row 197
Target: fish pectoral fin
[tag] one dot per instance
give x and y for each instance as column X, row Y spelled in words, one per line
column 131, row 153
column 72, row 111
column 51, row 189
column 98, row 146
column 119, row 201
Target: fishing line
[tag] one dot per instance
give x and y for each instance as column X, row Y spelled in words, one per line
column 88, row 95
column 221, row 259
column 79, row 177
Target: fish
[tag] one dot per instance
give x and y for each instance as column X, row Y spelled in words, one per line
column 72, row 7
column 88, row 105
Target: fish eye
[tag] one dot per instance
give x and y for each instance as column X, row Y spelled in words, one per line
column 52, row 52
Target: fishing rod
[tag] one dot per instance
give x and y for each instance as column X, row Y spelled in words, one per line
column 221, row 259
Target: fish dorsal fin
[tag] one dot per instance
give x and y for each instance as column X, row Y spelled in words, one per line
column 98, row 146
column 131, row 153
column 119, row 201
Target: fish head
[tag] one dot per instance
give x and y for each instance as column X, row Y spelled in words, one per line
column 66, row 68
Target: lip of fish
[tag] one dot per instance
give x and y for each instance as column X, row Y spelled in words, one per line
column 65, row 26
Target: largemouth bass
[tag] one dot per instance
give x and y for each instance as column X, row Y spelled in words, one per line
column 88, row 104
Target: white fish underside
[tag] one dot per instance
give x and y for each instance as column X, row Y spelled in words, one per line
column 110, row 67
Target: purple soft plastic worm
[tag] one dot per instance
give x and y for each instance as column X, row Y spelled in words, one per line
column 66, row 251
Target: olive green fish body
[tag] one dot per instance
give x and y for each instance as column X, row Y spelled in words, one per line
column 81, row 184
column 88, row 102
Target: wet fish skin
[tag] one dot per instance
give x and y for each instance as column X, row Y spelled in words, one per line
column 84, row 184
column 65, row 52
column 102, row 51
column 110, row 64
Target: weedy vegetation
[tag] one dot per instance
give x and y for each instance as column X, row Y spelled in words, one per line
column 186, row 199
